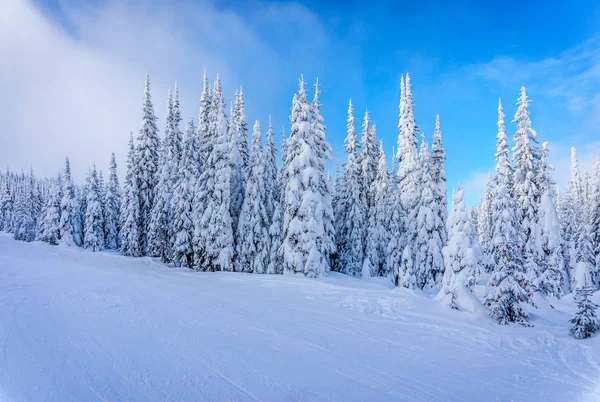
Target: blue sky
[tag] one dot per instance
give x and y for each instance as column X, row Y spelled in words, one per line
column 74, row 77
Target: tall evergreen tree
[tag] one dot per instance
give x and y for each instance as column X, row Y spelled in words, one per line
column 437, row 169
column 204, row 138
column 213, row 236
column 276, row 228
column 238, row 162
column 595, row 219
column 146, row 165
column 461, row 255
column 70, row 223
column 351, row 236
column 272, row 191
column 130, row 209
column 378, row 235
column 429, row 263
column 6, row 207
column 93, row 232
column 368, row 160
column 253, row 252
column 304, row 231
column 572, row 216
column 25, row 222
column 183, row 201
column 112, row 205
column 50, row 225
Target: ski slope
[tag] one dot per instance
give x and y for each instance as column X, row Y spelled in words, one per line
column 76, row 326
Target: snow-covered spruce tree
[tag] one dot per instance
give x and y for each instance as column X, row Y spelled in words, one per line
column 304, row 232
column 429, row 262
column 50, row 225
column 368, row 160
column 507, row 286
column 505, row 222
column 461, row 257
column 351, row 236
column 276, row 228
column 112, row 205
column 183, row 201
column 323, row 152
column 595, row 219
column 585, row 321
column 70, row 223
column 130, row 209
column 176, row 135
column 485, row 222
column 572, row 216
column 378, row 235
column 437, row 170
column 213, row 235
column 253, row 247
column 408, row 176
column 338, row 209
column 271, row 187
column 396, row 257
column 160, row 225
column 93, row 233
column 204, row 140
column 525, row 189
column 146, row 165
column 6, row 206
column 238, row 166
column 585, row 263
column 25, row 219
column 102, row 199
column 550, row 275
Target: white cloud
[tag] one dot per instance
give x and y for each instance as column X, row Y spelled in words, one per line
column 76, row 88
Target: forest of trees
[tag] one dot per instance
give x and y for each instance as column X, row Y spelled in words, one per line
column 200, row 196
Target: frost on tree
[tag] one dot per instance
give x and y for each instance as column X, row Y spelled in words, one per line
column 585, row 322
column 146, row 164
column 93, row 226
column 204, row 139
column 461, row 258
column 183, row 201
column 353, row 218
column 70, row 224
column 276, row 228
column 25, row 215
column 429, row 242
column 238, row 160
column 112, row 205
column 160, row 225
column 368, row 159
column 323, row 152
column 304, row 232
column 50, row 225
column 572, row 216
column 130, row 209
column 437, row 158
column 213, row 235
column 378, row 235
column 6, row 207
column 396, row 246
column 525, row 187
column 253, row 246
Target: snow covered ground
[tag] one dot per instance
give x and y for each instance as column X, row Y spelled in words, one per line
column 76, row 325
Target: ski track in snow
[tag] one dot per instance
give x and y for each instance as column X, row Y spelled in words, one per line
column 87, row 326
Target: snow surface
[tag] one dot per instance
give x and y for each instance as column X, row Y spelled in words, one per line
column 76, row 325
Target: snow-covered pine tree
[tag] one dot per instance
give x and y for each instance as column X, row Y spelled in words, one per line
column 585, row 263
column 507, row 287
column 485, row 222
column 304, row 245
column 525, row 189
column 323, row 151
column 550, row 275
column 368, row 159
column 6, row 206
column 351, row 236
column 396, row 246
column 338, row 208
column 429, row 262
column 25, row 222
column 437, row 159
column 572, row 216
column 213, row 235
column 112, row 205
column 50, row 225
column 238, row 164
column 272, row 191
column 130, row 208
column 183, row 201
column 102, row 199
column 595, row 219
column 70, row 223
column 276, row 228
column 253, row 251
column 177, row 135
column 378, row 235
column 93, row 232
column 585, row 322
column 146, row 165
column 159, row 227
column 461, row 257
column 204, row 139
